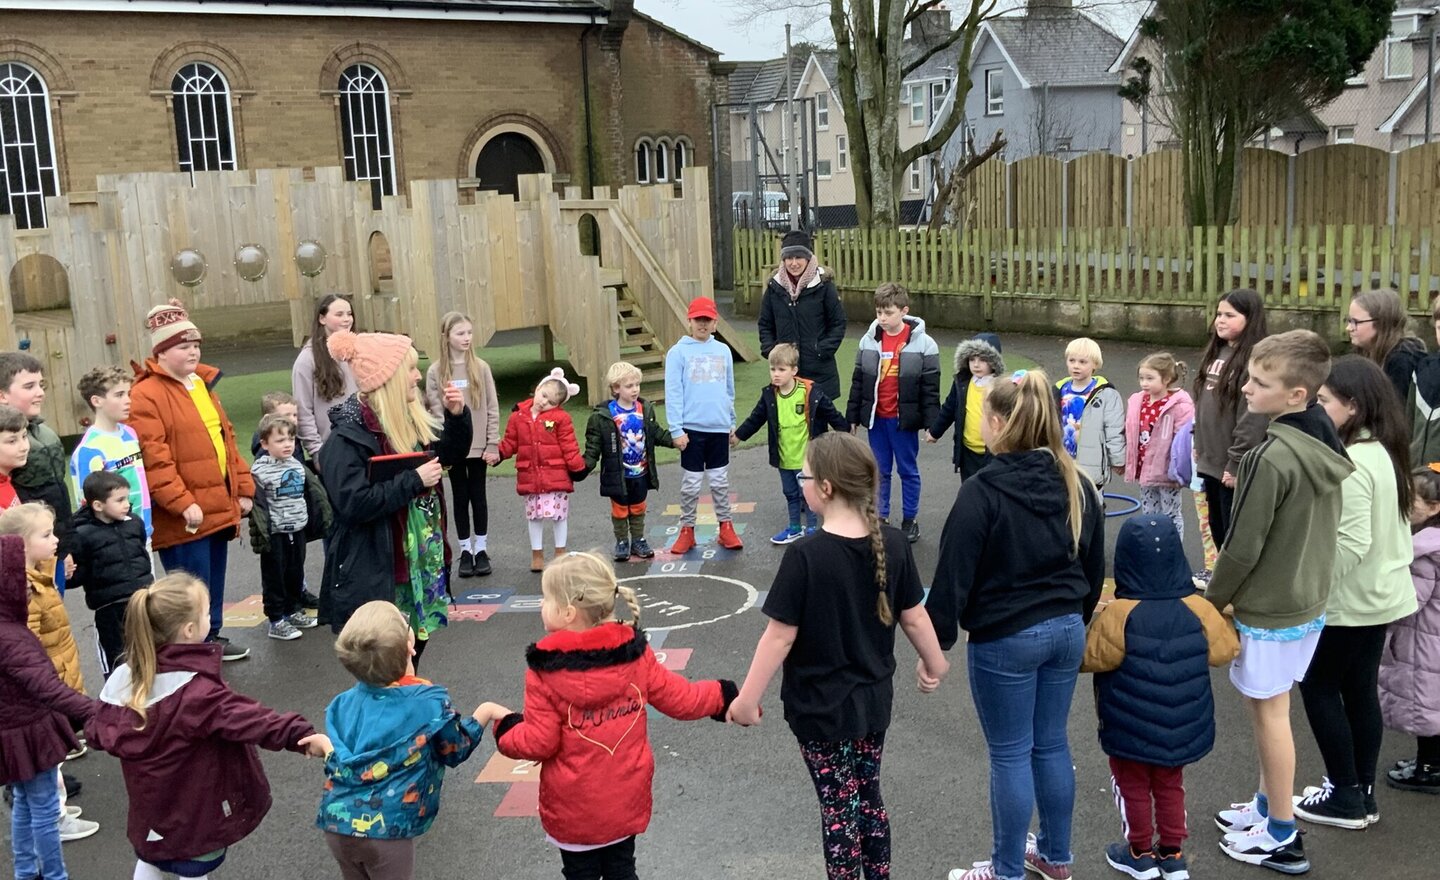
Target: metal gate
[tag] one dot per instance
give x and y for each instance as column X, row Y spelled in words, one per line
column 772, row 165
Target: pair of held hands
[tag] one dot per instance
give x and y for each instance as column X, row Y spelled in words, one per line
column 318, row 745
column 746, row 712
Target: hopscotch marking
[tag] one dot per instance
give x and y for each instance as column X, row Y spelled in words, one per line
column 666, row 607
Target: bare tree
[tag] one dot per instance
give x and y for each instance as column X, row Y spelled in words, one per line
column 954, row 206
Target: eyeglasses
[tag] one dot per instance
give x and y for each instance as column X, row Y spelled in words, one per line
column 804, row 477
column 1353, row 322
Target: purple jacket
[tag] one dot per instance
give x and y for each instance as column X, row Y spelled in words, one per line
column 1410, row 667
column 34, row 702
column 193, row 773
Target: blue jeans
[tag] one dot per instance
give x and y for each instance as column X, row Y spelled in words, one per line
column 900, row 448
column 795, row 499
column 1022, row 685
column 35, row 827
column 205, row 558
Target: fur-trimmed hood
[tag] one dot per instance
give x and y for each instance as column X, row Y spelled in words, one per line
column 984, row 345
column 575, row 663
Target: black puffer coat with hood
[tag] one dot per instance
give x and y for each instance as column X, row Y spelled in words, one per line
column 952, row 411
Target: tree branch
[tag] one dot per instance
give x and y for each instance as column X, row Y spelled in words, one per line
column 919, row 8
column 967, row 27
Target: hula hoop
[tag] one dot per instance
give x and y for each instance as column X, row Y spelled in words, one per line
column 1133, row 504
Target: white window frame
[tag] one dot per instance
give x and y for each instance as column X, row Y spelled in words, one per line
column 200, row 92
column 1394, row 41
column 1339, row 138
column 916, row 177
column 662, row 161
column 822, row 111
column 1414, row 140
column 358, row 90
column 23, row 92
column 842, row 153
column 824, row 169
column 937, row 97
column 642, row 161
column 1064, row 145
column 994, row 106
column 916, row 100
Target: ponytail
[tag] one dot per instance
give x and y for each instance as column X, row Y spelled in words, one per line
column 154, row 616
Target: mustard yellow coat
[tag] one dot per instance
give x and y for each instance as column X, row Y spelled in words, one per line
column 51, row 625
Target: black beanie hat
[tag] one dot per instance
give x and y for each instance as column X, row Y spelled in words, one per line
column 797, row 243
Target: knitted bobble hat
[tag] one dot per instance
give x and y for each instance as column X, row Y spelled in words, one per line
column 169, row 326
column 373, row 357
column 797, row 243
column 558, row 375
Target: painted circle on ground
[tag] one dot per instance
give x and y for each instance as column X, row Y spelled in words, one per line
column 653, row 606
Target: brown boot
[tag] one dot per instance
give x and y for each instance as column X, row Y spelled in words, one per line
column 537, row 560
column 559, row 551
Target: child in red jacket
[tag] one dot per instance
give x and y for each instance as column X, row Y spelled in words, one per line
column 542, row 438
column 185, row 741
column 586, row 691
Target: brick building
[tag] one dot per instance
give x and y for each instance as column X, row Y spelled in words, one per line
column 481, row 90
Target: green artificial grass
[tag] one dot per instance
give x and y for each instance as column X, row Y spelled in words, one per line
column 517, row 369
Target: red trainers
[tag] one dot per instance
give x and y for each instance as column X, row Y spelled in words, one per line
column 684, row 542
column 728, row 539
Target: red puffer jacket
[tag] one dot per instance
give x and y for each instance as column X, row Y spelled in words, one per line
column 544, row 448
column 585, row 720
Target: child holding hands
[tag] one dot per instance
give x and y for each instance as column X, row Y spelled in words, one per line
column 541, row 437
column 1154, row 417
column 186, row 741
column 586, row 692
column 620, row 439
column 832, row 611
column 394, row 734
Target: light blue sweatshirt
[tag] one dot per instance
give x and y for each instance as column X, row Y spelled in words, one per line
column 699, row 387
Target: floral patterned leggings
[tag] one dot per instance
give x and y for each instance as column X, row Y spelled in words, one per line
column 854, row 827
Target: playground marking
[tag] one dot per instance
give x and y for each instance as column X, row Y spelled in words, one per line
column 506, row 770
column 665, row 607
column 522, row 801
column 522, row 603
column 674, row 659
column 475, row 613
column 249, row 611
column 483, row 597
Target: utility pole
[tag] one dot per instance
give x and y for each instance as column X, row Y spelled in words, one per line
column 791, row 161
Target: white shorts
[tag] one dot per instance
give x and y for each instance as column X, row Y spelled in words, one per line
column 1268, row 669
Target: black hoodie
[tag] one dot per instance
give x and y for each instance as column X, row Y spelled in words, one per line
column 1006, row 559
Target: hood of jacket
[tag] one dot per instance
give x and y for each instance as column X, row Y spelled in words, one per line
column 176, row 665
column 575, row 663
column 208, row 374
column 1426, row 541
column 1311, row 425
column 14, row 585
column 1029, row 478
column 348, row 418
column 1411, row 350
column 1427, row 379
column 917, row 328
column 822, row 275
column 987, row 346
column 370, row 724
column 1150, row 561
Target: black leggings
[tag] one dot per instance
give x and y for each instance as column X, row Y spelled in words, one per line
column 1342, row 701
column 613, row 862
column 467, row 486
column 1221, row 498
column 1427, row 750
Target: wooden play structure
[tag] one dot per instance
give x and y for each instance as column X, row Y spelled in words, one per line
column 608, row 277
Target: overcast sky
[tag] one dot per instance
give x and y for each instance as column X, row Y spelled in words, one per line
column 729, row 27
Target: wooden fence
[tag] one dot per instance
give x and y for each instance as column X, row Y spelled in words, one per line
column 1328, row 186
column 1316, row 268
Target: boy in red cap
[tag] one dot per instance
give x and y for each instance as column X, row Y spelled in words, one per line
column 700, row 406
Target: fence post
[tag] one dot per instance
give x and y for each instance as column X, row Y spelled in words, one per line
column 1390, row 185
column 1065, row 202
column 1289, row 194
column 1009, row 195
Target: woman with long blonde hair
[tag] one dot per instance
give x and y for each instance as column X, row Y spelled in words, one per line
column 395, row 505
column 1022, row 562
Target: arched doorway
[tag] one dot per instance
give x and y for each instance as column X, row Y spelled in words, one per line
column 503, row 159
column 45, row 327
column 383, row 299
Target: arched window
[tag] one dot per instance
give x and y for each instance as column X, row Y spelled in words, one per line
column 203, row 127
column 642, row 162
column 662, row 162
column 365, row 129
column 27, row 148
column 682, row 158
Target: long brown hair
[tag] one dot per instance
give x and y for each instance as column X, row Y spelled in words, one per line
column 1032, row 421
column 1378, row 409
column 472, row 363
column 1386, row 309
column 329, row 380
column 154, row 617
column 847, row 464
column 1251, row 307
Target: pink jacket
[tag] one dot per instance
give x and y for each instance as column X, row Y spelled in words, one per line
column 1178, row 410
column 1410, row 666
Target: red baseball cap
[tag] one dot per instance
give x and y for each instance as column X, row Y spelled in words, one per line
column 703, row 307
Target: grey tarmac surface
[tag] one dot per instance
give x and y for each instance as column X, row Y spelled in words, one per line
column 729, row 802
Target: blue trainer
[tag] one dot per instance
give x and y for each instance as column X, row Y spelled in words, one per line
column 786, row 535
column 1141, row 866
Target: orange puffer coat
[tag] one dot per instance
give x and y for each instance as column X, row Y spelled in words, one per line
column 50, row 623
column 180, row 461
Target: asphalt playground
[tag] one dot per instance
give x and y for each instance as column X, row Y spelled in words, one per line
column 729, row 802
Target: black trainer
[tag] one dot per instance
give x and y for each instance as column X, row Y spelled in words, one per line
column 467, row 564
column 482, row 564
column 911, row 528
column 1424, row 778
column 1338, row 807
column 309, row 599
column 1372, row 807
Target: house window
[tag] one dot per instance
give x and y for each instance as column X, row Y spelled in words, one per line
column 994, row 92
column 203, row 129
column 662, row 162
column 1345, row 134
column 1062, row 145
column 1414, row 140
column 1399, row 56
column 822, row 111
column 27, row 149
column 937, row 98
column 682, row 158
column 642, row 162
column 365, row 129
column 917, row 176
column 822, row 168
column 917, row 105
column 842, row 153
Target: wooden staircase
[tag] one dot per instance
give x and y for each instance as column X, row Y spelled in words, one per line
column 638, row 343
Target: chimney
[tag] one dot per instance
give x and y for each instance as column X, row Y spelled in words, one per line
column 1048, row 7
column 932, row 26
column 621, row 12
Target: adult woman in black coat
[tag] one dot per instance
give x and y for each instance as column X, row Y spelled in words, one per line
column 802, row 307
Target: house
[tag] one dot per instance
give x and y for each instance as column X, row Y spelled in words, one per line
column 590, row 91
column 1382, row 106
column 1043, row 78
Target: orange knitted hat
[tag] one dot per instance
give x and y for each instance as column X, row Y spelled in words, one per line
column 373, row 357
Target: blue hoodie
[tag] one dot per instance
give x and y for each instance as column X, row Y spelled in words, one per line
column 699, row 387
column 392, row 746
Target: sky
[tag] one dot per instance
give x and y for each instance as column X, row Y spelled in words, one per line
column 729, row 26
